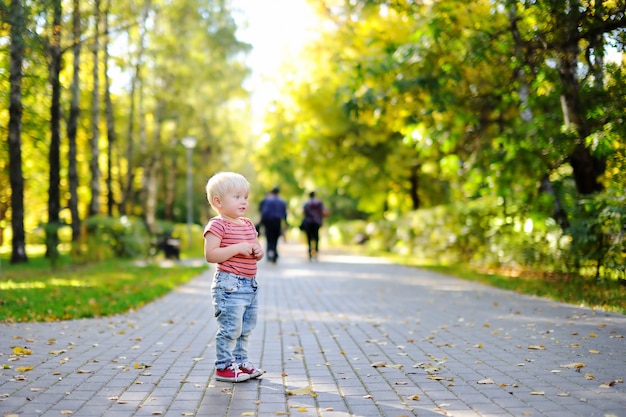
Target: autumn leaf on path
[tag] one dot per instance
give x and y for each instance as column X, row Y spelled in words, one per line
column 380, row 364
column 141, row 366
column 575, row 365
column 20, row 351
column 485, row 381
column 302, row 391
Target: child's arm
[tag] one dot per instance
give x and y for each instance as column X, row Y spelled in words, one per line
column 214, row 254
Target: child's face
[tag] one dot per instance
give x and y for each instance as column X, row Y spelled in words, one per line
column 233, row 204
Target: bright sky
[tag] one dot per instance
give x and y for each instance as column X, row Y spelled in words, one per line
column 276, row 29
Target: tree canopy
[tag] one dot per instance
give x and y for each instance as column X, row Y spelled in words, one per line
column 398, row 106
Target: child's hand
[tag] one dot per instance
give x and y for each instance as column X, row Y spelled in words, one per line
column 245, row 248
column 257, row 251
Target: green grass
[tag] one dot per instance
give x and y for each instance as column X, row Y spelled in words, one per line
column 36, row 292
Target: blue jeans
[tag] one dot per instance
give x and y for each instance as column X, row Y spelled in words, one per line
column 236, row 309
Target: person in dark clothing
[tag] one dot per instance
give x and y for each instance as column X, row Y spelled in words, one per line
column 314, row 213
column 273, row 213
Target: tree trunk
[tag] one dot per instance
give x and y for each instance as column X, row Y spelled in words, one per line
column 54, row 193
column 72, row 125
column 170, row 180
column 586, row 168
column 109, row 116
column 136, row 82
column 415, row 186
column 150, row 179
column 17, row 19
column 94, row 206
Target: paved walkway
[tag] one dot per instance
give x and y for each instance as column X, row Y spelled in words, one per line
column 348, row 336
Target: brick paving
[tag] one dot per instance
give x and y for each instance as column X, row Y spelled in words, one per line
column 346, row 336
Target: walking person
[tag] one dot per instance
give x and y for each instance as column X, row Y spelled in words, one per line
column 314, row 212
column 231, row 242
column 273, row 214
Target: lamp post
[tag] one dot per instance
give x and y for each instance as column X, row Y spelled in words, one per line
column 189, row 143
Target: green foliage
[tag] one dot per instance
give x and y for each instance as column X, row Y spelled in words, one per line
column 598, row 242
column 492, row 234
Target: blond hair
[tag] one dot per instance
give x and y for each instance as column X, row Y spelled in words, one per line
column 223, row 182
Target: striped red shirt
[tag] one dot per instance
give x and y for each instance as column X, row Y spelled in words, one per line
column 230, row 233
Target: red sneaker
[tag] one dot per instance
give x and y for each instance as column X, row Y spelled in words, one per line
column 249, row 369
column 231, row 374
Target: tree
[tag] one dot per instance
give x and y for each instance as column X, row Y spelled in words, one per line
column 72, row 123
column 53, row 44
column 94, row 143
column 110, row 119
column 16, row 18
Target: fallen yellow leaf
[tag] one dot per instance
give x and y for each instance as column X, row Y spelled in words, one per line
column 575, row 365
column 301, row 391
column 24, row 368
column 20, row 351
